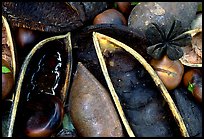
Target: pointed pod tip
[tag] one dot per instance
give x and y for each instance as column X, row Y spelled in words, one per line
column 193, row 32
column 80, row 67
column 96, row 34
column 80, row 64
column 68, row 34
column 99, row 35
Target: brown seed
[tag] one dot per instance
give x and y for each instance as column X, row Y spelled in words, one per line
column 124, row 7
column 197, row 92
column 110, row 16
column 25, row 37
column 170, row 72
column 191, row 76
column 194, row 77
column 44, row 115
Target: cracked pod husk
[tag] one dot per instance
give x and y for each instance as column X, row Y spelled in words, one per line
column 9, row 55
column 135, row 93
column 193, row 53
column 8, row 50
column 84, row 47
column 44, row 77
column 56, row 17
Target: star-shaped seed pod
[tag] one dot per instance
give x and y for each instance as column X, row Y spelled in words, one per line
column 164, row 41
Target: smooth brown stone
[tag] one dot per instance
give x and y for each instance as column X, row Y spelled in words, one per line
column 92, row 111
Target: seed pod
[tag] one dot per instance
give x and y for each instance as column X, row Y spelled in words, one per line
column 57, row 17
column 9, row 56
column 129, row 76
column 8, row 49
column 45, row 71
column 193, row 53
column 190, row 110
column 107, row 49
column 85, row 48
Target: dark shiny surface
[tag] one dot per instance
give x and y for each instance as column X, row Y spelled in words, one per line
column 42, row 116
column 41, row 102
column 25, row 37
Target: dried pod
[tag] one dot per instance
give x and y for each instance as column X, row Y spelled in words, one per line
column 85, row 52
column 9, row 56
column 91, row 108
column 8, row 49
column 192, row 56
column 134, row 98
column 197, row 22
column 42, row 16
column 191, row 111
column 58, row 17
column 45, row 73
column 167, row 41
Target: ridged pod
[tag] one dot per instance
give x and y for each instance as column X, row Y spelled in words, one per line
column 57, row 17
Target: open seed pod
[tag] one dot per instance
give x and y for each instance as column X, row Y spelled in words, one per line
column 9, row 56
column 139, row 103
column 91, row 108
column 8, row 50
column 84, row 48
column 41, row 88
column 193, row 53
column 58, row 17
column 127, row 77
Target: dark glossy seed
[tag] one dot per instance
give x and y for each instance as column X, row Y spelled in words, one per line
column 43, row 115
column 192, row 80
column 197, row 92
column 124, row 7
column 191, row 76
column 25, row 37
